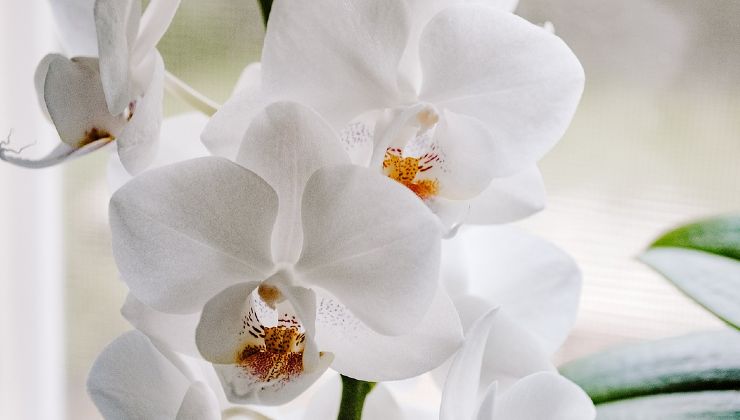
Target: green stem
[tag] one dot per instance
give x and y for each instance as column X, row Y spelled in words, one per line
column 354, row 393
column 266, row 6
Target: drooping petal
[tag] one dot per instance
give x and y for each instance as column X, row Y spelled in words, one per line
column 362, row 353
column 199, row 403
column 39, row 79
column 521, row 81
column 186, row 231
column 154, row 23
column 74, row 97
column 544, row 395
column 117, row 23
column 285, row 145
column 460, row 394
column 176, row 332
column 371, row 244
column 240, row 386
column 139, row 140
column 359, row 43
column 179, row 141
column 511, row 351
column 131, row 379
column 76, row 26
column 61, row 153
column 540, row 292
column 509, row 199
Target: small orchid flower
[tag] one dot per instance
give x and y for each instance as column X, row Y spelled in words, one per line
column 543, row 395
column 493, row 94
column 116, row 96
column 135, row 379
column 292, row 259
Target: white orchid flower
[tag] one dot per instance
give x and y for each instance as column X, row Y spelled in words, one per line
column 540, row 396
column 351, row 262
column 135, row 379
column 493, row 95
column 115, row 96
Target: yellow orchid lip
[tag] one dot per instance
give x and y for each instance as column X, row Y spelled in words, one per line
column 408, row 170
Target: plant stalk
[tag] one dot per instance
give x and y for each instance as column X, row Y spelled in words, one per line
column 354, row 393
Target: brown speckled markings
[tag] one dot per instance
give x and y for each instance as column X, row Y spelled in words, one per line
column 406, row 170
column 281, row 357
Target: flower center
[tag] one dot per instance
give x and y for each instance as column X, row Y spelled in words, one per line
column 409, row 172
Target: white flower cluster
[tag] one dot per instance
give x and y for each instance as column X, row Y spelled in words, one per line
column 321, row 224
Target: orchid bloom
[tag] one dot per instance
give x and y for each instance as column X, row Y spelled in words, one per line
column 492, row 95
column 116, row 96
column 135, row 379
column 291, row 259
column 542, row 395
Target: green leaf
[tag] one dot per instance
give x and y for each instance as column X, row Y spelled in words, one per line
column 703, row 260
column 697, row 362
column 679, row 406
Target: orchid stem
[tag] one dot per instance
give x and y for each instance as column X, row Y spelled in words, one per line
column 190, row 96
column 354, row 393
column 266, row 6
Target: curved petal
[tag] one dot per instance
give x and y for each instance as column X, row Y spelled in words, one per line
column 76, row 103
column 359, row 43
column 523, row 82
column 544, row 396
column 131, row 379
column 180, row 141
column 241, row 388
column 371, row 244
column 186, row 231
column 154, row 23
column 61, row 153
column 76, row 26
column 250, row 79
column 139, row 141
column 285, row 145
column 175, row 332
column 362, row 353
column 116, row 23
column 540, row 292
column 199, row 403
column 39, row 79
column 511, row 351
column 460, row 394
column 509, row 199
column 470, row 160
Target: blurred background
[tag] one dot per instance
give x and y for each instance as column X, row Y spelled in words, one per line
column 655, row 143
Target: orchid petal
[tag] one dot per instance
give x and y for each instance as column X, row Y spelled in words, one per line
column 250, row 79
column 549, row 276
column 154, row 23
column 180, row 141
column 186, row 231
column 131, row 379
column 545, row 395
column 117, row 22
column 371, row 244
column 39, row 79
column 460, row 395
column 222, row 331
column 487, row 406
column 364, row 354
column 523, row 82
column 139, row 141
column 176, row 332
column 285, row 145
column 509, row 199
column 199, row 403
column 240, row 388
column 76, row 103
column 511, row 351
column 359, row 43
column 76, row 26
column 61, row 153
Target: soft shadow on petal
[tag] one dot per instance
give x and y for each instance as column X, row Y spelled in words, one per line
column 544, row 396
column 509, row 199
column 76, row 26
column 285, row 145
column 364, row 354
column 372, row 244
column 184, row 232
column 199, row 403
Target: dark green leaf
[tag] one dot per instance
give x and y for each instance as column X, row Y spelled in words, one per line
column 719, row 236
column 692, row 405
